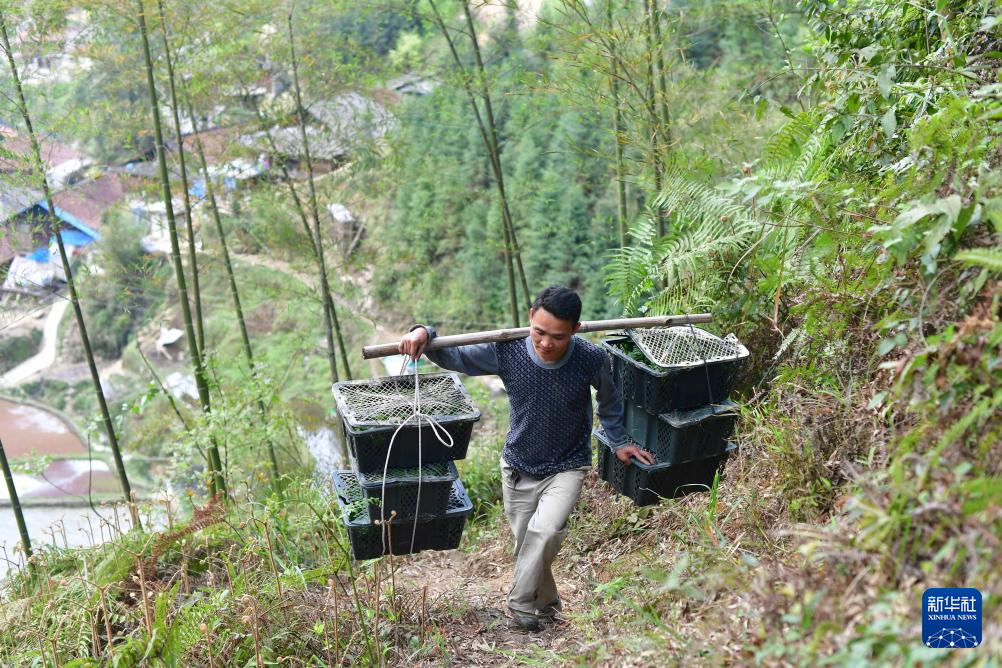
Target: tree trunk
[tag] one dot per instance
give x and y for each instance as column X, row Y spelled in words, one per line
column 217, row 483
column 192, row 259
column 15, row 504
column 39, row 167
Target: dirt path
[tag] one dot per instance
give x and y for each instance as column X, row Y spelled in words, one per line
column 466, row 594
column 46, row 355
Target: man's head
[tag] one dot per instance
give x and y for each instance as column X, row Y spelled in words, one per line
column 553, row 319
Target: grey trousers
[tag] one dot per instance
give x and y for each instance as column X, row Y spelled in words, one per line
column 537, row 511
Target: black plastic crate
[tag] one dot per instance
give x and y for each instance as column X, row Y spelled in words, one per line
column 647, row 484
column 369, row 436
column 658, row 390
column 366, row 537
column 682, row 436
column 402, row 489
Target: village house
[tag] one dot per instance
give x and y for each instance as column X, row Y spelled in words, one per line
column 342, row 127
column 31, row 247
column 63, row 164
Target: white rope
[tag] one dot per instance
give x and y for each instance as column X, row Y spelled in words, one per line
column 437, row 429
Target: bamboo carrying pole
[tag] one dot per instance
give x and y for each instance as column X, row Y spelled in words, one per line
column 497, row 335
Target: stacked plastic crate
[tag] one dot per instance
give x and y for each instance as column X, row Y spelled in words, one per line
column 408, row 497
column 674, row 383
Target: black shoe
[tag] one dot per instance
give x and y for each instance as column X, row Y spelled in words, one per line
column 552, row 617
column 525, row 621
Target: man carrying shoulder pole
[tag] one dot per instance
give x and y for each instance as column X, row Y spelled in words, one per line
column 548, row 376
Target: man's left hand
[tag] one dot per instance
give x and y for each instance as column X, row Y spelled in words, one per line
column 627, row 451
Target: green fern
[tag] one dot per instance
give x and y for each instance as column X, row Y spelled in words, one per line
column 788, row 144
column 989, row 258
column 629, row 275
column 710, row 230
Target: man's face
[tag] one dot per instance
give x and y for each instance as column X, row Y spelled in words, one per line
column 550, row 335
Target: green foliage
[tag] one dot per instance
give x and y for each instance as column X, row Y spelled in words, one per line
column 989, row 258
column 15, row 349
column 128, row 286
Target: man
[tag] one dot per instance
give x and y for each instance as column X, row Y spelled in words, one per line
column 548, row 377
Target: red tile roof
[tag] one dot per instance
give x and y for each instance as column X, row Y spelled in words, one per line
column 89, row 201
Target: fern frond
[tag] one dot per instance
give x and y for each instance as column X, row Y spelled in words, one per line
column 631, row 270
column 989, row 258
column 787, row 144
column 810, row 164
column 695, row 204
column 707, row 227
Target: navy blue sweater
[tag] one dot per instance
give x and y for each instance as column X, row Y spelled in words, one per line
column 550, row 402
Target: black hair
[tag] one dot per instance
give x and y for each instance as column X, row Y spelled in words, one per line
column 560, row 301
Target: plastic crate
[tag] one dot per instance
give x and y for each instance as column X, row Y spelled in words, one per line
column 369, row 440
column 647, row 484
column 659, row 390
column 366, row 537
column 682, row 436
column 402, row 489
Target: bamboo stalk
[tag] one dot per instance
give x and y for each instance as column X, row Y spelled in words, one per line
column 210, row 192
column 297, row 202
column 617, row 129
column 498, row 335
column 39, row 167
column 217, row 483
column 314, row 212
column 667, row 139
column 15, row 505
column 655, row 120
column 489, row 139
column 196, row 288
column 495, row 151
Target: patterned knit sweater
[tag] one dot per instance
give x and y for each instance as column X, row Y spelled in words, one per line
column 550, row 402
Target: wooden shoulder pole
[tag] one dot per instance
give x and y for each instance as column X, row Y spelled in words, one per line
column 498, row 335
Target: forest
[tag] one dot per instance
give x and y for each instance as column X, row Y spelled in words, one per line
column 209, row 209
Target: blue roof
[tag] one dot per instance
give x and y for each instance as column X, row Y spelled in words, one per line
column 70, row 238
column 70, row 219
column 74, row 238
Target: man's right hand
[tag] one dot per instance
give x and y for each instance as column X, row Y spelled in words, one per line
column 414, row 343
column 627, row 451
